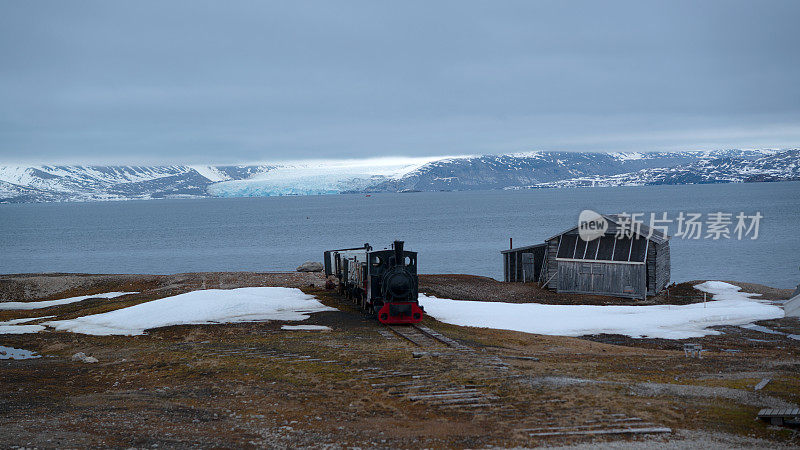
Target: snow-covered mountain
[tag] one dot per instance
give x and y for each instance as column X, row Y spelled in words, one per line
column 534, row 168
column 512, row 171
column 779, row 166
column 91, row 183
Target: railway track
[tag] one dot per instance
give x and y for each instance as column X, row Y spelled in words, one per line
column 417, row 336
column 481, row 399
column 436, row 392
column 423, row 336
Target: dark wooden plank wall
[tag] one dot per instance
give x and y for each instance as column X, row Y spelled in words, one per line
column 658, row 267
column 652, row 252
column 662, row 266
column 617, row 279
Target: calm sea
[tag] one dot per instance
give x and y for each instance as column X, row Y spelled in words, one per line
column 455, row 232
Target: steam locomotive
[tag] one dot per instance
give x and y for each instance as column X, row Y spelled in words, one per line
column 383, row 283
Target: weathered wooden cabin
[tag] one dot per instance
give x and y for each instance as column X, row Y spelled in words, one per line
column 634, row 266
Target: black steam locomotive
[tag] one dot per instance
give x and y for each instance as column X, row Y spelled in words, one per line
column 381, row 282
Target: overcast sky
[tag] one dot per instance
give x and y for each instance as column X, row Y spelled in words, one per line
column 240, row 81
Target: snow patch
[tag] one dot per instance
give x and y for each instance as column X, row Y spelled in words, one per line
column 20, row 329
column 13, row 326
column 628, row 156
column 724, row 291
column 536, row 154
column 305, row 328
column 211, row 306
column 211, row 173
column 5, row 306
column 729, row 307
column 27, row 319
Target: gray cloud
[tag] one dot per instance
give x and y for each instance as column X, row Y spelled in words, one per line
column 147, row 81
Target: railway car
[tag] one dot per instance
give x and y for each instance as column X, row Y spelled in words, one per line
column 383, row 283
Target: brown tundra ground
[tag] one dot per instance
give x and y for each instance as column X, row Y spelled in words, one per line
column 364, row 385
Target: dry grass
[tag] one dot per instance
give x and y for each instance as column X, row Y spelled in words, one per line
column 217, row 385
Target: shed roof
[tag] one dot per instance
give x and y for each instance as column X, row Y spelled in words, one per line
column 642, row 230
column 519, row 249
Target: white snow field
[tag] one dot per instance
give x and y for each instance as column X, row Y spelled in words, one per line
column 211, row 306
column 6, row 306
column 13, row 326
column 729, row 307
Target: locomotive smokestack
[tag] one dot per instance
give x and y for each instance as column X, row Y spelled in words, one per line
column 398, row 253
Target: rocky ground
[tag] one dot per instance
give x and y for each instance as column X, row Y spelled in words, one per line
column 362, row 385
column 473, row 287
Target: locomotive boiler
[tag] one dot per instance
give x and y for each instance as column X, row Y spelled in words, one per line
column 382, row 283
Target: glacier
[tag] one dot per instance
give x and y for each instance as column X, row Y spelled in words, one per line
column 320, row 177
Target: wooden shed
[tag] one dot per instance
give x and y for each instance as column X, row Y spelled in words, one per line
column 635, row 266
column 523, row 263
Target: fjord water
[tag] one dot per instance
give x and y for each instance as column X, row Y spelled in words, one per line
column 455, row 232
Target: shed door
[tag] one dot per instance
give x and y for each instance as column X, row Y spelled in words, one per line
column 528, row 272
column 623, row 280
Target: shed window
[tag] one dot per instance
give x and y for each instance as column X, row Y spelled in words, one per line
column 591, row 249
column 638, row 248
column 623, row 247
column 580, row 247
column 606, row 244
column 567, row 246
column 605, row 248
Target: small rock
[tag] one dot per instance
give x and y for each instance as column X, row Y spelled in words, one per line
column 80, row 356
column 310, row 266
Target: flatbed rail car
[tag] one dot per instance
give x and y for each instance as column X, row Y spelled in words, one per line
column 381, row 282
